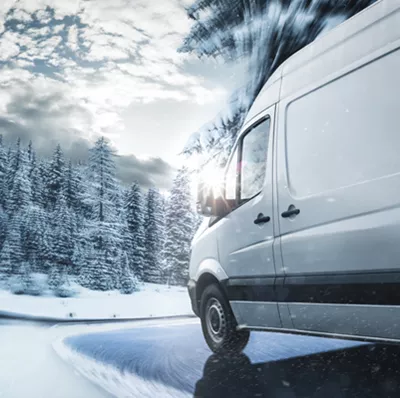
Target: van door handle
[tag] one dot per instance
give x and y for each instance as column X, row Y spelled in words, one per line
column 291, row 211
column 261, row 219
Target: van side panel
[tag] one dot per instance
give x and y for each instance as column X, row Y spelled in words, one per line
column 204, row 257
column 339, row 164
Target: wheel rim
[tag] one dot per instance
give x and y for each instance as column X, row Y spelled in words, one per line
column 215, row 320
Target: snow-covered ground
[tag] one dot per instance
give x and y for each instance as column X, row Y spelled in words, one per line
column 150, row 301
column 30, row 368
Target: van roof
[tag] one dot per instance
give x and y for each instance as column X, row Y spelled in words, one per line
column 329, row 53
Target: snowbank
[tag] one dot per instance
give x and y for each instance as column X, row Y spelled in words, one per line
column 151, row 301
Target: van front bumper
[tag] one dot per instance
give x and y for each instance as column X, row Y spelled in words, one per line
column 193, row 297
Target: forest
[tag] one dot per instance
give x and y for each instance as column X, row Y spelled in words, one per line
column 76, row 220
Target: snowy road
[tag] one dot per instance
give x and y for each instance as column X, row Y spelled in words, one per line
column 170, row 359
column 29, row 367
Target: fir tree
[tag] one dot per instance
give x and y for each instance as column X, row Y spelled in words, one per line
column 104, row 184
column 20, row 193
column 87, row 263
column 180, row 229
column 26, row 280
column 106, row 224
column 32, row 233
column 73, row 188
column 135, row 218
column 153, row 237
column 3, row 172
column 55, row 178
column 37, row 183
column 14, row 241
column 3, row 225
column 14, row 161
column 128, row 282
column 30, row 152
column 5, row 260
column 62, row 245
column 44, row 259
column 81, row 243
column 101, row 277
column 55, row 276
column 78, row 258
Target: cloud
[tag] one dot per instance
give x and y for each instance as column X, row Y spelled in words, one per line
column 8, row 48
column 70, row 69
column 147, row 172
column 51, row 118
column 73, row 38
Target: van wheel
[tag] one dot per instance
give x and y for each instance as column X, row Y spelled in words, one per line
column 219, row 323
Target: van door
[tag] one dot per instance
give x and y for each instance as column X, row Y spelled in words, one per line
column 339, row 201
column 245, row 235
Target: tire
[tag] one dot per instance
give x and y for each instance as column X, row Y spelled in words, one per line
column 219, row 324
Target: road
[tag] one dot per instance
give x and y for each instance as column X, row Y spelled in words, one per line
column 29, row 367
column 170, row 359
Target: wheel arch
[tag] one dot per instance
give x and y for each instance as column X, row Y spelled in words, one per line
column 206, row 279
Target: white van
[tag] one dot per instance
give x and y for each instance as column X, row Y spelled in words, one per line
column 306, row 235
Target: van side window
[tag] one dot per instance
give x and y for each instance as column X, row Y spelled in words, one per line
column 254, row 161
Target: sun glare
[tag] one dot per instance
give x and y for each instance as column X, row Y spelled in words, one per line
column 211, row 176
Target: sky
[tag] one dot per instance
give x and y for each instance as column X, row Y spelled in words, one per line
column 73, row 70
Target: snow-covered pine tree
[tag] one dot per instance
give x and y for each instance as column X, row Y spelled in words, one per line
column 102, row 172
column 128, row 281
column 3, row 225
column 105, row 227
column 79, row 255
column 180, row 225
column 135, row 217
column 94, row 274
column 153, row 236
column 25, row 277
column 163, row 236
column 5, row 261
column 13, row 159
column 73, row 188
column 3, row 172
column 30, row 151
column 14, row 241
column 32, row 233
column 86, row 203
column 62, row 242
column 127, row 243
column 54, row 279
column 44, row 259
column 55, row 178
column 37, row 183
column 62, row 245
column 20, row 193
column 101, row 272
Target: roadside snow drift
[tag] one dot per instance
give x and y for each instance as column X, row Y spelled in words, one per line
column 151, row 301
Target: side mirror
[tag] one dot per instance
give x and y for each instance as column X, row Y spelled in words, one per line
column 208, row 205
column 205, row 200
